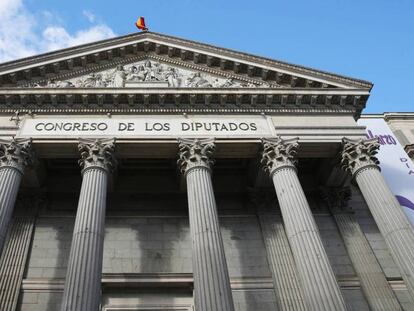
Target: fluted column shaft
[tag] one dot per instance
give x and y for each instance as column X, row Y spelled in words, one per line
column 373, row 282
column 320, row 287
column 82, row 290
column 10, row 179
column 16, row 250
column 391, row 221
column 211, row 278
column 358, row 157
column 15, row 155
column 281, row 262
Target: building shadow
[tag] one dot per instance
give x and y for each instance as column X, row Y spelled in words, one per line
column 59, row 247
column 245, row 253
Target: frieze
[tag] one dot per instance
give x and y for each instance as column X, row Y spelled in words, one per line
column 148, row 73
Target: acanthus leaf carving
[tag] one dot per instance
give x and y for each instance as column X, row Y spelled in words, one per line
column 97, row 153
column 358, row 154
column 16, row 153
column 278, row 153
column 195, row 153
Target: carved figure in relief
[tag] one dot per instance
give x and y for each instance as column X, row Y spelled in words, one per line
column 248, row 84
column 171, row 76
column 136, row 74
column 230, row 82
column 54, row 84
column 196, row 80
column 92, row 80
column 217, row 83
column 151, row 73
column 119, row 77
column 146, row 71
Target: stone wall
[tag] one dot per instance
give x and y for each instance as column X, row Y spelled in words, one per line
column 161, row 244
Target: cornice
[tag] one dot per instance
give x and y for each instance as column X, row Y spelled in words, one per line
column 226, row 100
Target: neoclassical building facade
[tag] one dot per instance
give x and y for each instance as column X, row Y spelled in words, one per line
column 148, row 172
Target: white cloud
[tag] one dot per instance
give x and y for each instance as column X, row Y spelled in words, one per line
column 89, row 15
column 56, row 37
column 22, row 35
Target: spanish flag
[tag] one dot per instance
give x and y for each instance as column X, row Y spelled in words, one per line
column 140, row 23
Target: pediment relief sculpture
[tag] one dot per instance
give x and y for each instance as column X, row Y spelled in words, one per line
column 149, row 74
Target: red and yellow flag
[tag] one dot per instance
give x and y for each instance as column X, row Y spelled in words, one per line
column 140, row 23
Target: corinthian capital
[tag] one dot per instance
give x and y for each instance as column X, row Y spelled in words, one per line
column 278, row 153
column 359, row 154
column 16, row 153
column 97, row 153
column 195, row 153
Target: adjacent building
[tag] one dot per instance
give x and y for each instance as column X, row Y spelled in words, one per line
column 402, row 124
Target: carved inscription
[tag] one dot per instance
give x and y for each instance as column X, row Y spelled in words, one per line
column 176, row 126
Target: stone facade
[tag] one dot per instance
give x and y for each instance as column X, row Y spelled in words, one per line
column 171, row 207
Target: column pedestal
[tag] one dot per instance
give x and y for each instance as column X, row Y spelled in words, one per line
column 358, row 157
column 320, row 287
column 212, row 289
column 82, row 290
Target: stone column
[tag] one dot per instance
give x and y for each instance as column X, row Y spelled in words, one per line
column 319, row 285
column 82, row 290
column 15, row 155
column 212, row 289
column 285, row 278
column 16, row 250
column 373, row 282
column 279, row 256
column 358, row 157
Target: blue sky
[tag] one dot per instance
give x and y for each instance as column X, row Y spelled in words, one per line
column 367, row 39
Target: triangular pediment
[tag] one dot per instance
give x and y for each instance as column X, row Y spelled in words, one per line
column 187, row 57
column 150, row 72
